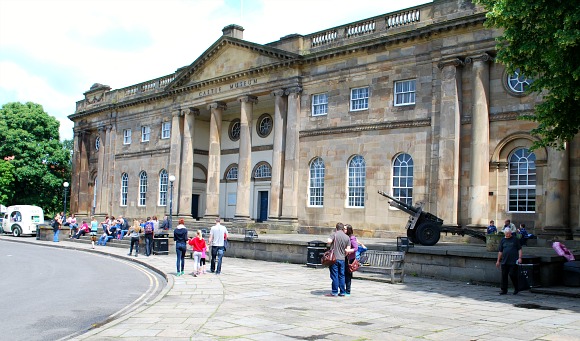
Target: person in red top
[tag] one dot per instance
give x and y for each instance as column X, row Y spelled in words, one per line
column 198, row 245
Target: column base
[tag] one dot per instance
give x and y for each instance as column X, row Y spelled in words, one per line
column 242, row 219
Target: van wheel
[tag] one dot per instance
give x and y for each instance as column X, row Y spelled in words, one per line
column 16, row 231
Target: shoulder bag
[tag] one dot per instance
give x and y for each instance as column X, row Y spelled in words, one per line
column 354, row 266
column 328, row 258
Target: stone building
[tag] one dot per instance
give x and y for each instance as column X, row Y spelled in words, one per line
column 305, row 130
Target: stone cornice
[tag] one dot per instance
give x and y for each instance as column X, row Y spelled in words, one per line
column 161, row 152
column 366, row 127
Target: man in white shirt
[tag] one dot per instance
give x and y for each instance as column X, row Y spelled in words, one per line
column 217, row 235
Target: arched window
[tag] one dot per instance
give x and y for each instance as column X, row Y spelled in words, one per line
column 403, row 178
column 142, row 188
column 522, row 181
column 163, row 179
column 356, row 181
column 232, row 173
column 316, row 190
column 263, row 171
column 124, row 188
column 97, row 143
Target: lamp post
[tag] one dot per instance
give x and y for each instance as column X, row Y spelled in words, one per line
column 171, row 180
column 65, row 185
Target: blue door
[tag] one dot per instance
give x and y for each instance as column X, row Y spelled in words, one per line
column 263, row 206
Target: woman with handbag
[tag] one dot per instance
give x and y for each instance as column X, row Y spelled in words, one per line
column 351, row 261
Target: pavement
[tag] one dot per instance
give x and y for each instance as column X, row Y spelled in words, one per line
column 257, row 300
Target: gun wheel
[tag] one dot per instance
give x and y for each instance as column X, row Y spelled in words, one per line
column 428, row 234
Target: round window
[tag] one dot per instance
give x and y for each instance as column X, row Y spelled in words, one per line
column 264, row 126
column 517, row 82
column 234, row 130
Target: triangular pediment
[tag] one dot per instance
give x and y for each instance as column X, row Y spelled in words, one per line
column 228, row 57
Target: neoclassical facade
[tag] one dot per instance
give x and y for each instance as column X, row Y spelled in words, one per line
column 305, row 130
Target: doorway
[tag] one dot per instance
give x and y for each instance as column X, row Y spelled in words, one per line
column 262, row 206
column 195, row 206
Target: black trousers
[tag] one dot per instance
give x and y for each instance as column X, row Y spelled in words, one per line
column 512, row 271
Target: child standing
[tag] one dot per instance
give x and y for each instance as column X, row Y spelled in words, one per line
column 202, row 260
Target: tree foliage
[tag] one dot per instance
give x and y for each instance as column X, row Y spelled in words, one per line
column 6, row 180
column 542, row 39
column 29, row 141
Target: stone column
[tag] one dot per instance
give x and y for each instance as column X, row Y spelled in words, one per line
column 186, row 173
column 245, row 158
column 479, row 170
column 175, row 156
column 291, row 160
column 101, row 207
column 278, row 154
column 557, row 190
column 105, row 185
column 213, row 162
column 113, row 186
column 75, row 174
column 449, row 135
column 85, row 201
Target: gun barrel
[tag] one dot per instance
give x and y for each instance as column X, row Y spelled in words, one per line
column 399, row 204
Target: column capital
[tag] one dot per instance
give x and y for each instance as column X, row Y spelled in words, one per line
column 485, row 57
column 277, row 93
column 176, row 113
column 248, row 99
column 191, row 111
column 217, row 105
column 293, row 90
column 450, row 62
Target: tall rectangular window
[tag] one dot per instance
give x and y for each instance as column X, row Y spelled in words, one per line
column 145, row 134
column 165, row 130
column 127, row 136
column 319, row 104
column 522, row 181
column 316, row 190
column 124, row 188
column 142, row 189
column 356, row 182
column 359, row 99
column 405, row 92
column 403, row 178
column 163, row 180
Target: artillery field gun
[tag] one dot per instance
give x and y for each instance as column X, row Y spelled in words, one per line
column 425, row 228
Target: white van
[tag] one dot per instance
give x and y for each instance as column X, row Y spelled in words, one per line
column 22, row 219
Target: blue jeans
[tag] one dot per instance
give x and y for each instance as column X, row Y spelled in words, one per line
column 148, row 244
column 216, row 251
column 180, row 249
column 55, row 238
column 337, row 277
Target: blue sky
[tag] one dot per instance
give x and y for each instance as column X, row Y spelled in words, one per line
column 51, row 51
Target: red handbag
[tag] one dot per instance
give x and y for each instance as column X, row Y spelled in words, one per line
column 328, row 258
column 354, row 266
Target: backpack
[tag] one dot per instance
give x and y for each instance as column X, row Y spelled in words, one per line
column 54, row 224
column 148, row 227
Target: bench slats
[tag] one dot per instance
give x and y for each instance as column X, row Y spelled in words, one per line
column 389, row 262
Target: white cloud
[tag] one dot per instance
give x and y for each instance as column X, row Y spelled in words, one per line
column 124, row 42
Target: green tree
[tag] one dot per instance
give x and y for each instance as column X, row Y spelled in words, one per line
column 541, row 38
column 6, row 181
column 29, row 138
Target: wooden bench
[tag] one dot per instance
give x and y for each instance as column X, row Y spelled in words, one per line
column 390, row 263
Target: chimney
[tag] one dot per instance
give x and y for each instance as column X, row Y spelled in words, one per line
column 234, row 31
